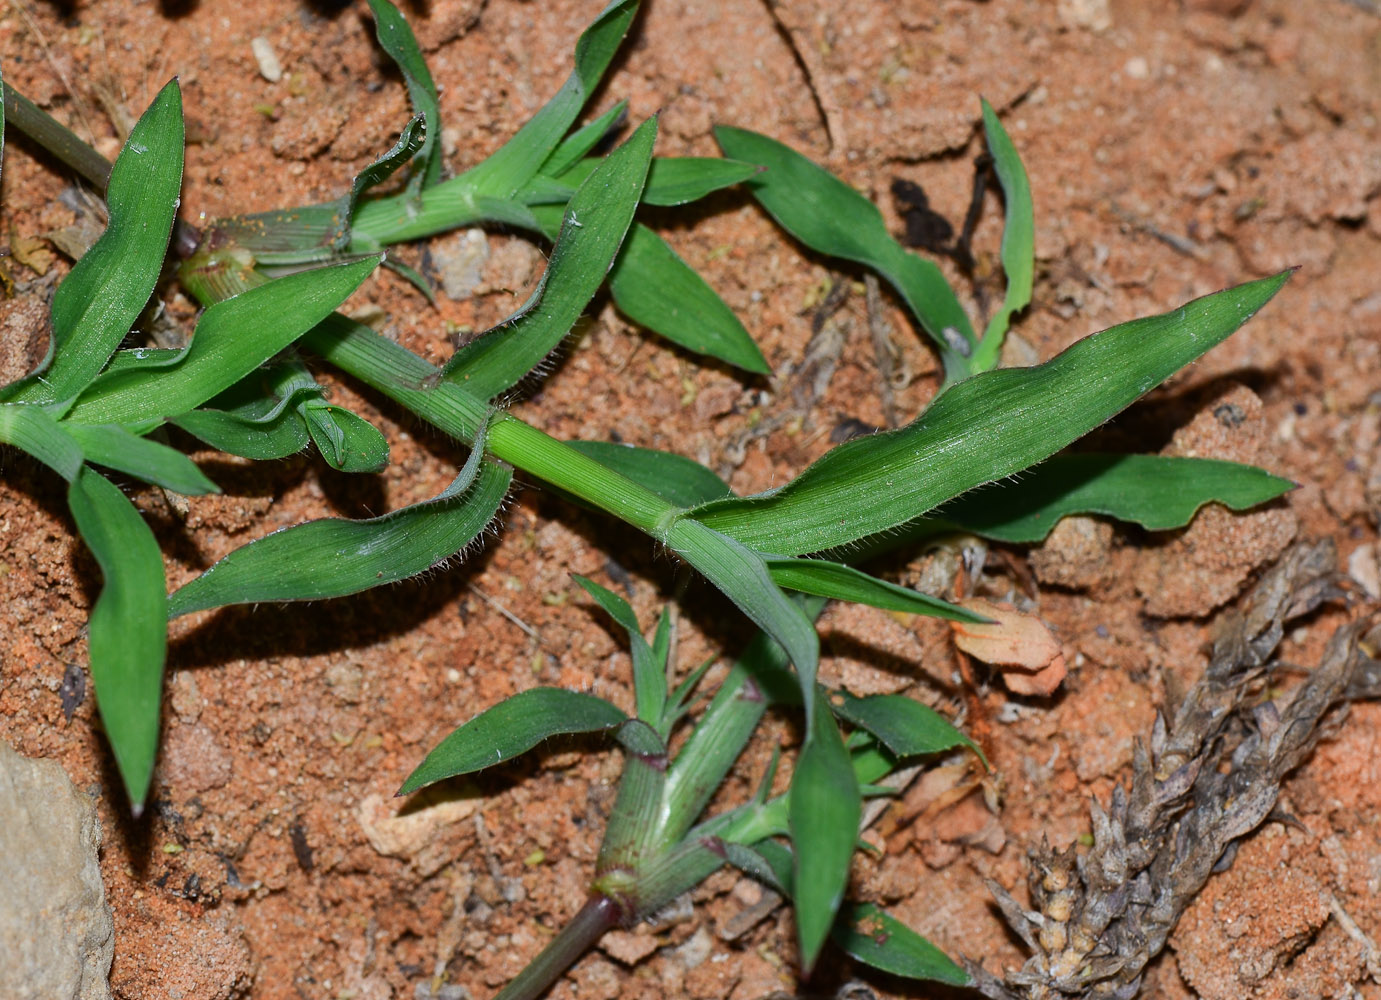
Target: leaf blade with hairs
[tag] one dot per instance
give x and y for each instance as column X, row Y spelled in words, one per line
column 128, row 630
column 333, row 557
column 396, row 38
column 871, row 936
column 513, row 727
column 870, row 485
column 101, row 297
column 232, row 339
column 1018, row 238
column 832, row 218
column 116, row 448
column 903, row 725
column 592, row 231
column 503, row 174
column 824, row 812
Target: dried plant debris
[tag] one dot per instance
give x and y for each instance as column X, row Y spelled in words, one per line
column 1212, row 776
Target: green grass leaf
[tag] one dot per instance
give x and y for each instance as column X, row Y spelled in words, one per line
column 414, row 137
column 33, row 430
column 824, row 813
column 396, row 38
column 767, row 861
column 592, row 231
column 232, row 338
column 869, row 935
column 518, row 161
column 116, row 448
column 282, row 435
column 981, row 430
column 832, row 218
column 831, row 579
column 638, row 819
column 678, row 479
column 346, row 440
column 260, row 416
column 575, row 146
column 656, row 289
column 333, row 557
column 678, row 180
column 101, row 297
column 903, row 725
column 649, row 672
column 1155, row 491
column 128, row 630
column 741, row 574
column 513, row 727
column 1018, row 238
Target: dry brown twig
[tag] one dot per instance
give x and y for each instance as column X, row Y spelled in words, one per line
column 1211, row 777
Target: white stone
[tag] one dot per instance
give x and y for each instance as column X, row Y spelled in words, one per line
column 269, row 67
column 57, row 935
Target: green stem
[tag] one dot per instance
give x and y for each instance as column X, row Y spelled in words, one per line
column 599, row 914
column 401, row 218
column 412, row 382
column 57, row 138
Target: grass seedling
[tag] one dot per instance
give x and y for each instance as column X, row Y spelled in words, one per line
column 242, row 387
column 657, row 845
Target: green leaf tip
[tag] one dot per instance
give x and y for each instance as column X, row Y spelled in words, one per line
column 510, row 729
column 981, row 430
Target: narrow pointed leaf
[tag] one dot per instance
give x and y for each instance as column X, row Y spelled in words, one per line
column 767, row 861
column 679, row 479
column 511, row 728
column 832, row 218
column 413, row 138
column 282, row 435
column 509, row 169
column 649, row 672
column 742, row 575
column 981, row 430
column 655, row 288
column 128, row 630
column 260, row 416
column 581, row 141
column 869, row 935
column 903, row 725
column 396, row 38
column 346, row 440
column 595, row 222
column 831, row 579
column 333, row 557
column 232, row 339
column 658, row 290
column 98, row 302
column 824, row 813
column 1157, row 492
column 678, row 180
column 116, row 448
column 1018, row 238
column 33, row 430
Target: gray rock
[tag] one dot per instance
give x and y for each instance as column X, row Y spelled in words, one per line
column 56, row 931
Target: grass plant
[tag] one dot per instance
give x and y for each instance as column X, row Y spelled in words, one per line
column 272, row 284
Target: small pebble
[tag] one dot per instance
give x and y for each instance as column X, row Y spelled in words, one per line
column 269, row 67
